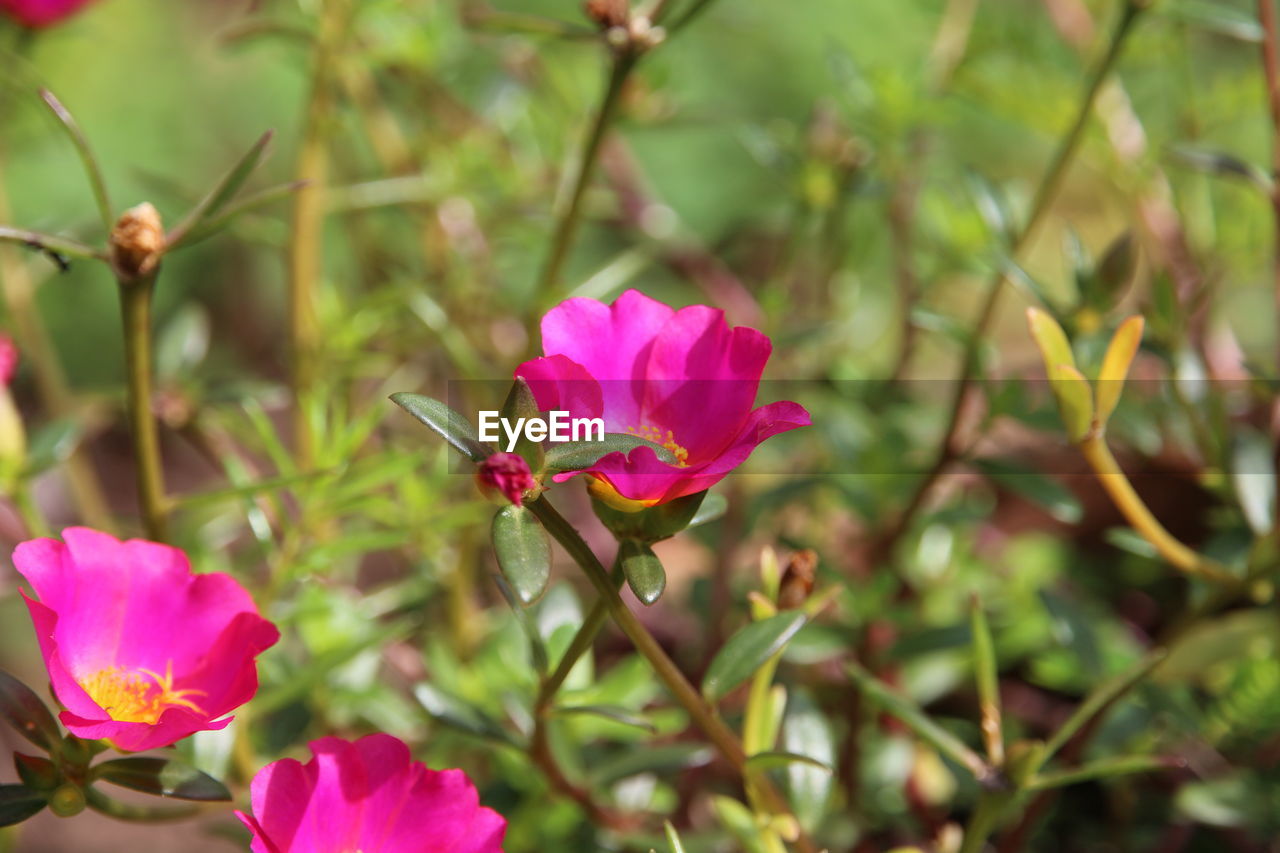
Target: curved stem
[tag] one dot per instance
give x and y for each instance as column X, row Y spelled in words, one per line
column 1127, row 500
column 135, row 307
column 699, row 710
column 950, row 450
column 580, row 645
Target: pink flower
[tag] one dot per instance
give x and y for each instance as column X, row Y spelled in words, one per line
column 368, row 796
column 8, row 357
column 508, row 474
column 140, row 651
column 681, row 379
column 41, row 13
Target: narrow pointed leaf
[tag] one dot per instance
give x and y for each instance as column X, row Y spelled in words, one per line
column 674, row 845
column 37, row 773
column 777, row 759
column 99, row 186
column 136, row 813
column 987, row 672
column 162, row 777
column 520, row 404
column 714, row 506
column 1075, row 400
column 576, row 455
column 748, row 650
column 21, row 708
column 211, row 225
column 1115, row 366
column 222, row 193
column 1101, row 698
column 18, row 803
column 1114, row 273
column 643, row 570
column 1103, row 769
column 446, row 423
column 613, row 713
column 523, row 550
column 1054, row 347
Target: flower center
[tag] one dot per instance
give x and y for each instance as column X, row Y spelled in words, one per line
column 137, row 696
column 653, row 434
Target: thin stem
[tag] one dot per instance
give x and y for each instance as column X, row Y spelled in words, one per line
column 581, row 644
column 305, row 265
column 699, row 710
column 1126, row 499
column 1050, row 183
column 135, row 307
column 624, row 61
column 91, row 167
column 983, row 821
column 49, row 243
column 690, row 14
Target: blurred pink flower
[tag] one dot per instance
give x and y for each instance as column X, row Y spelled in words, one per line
column 681, row 379
column 140, row 651
column 506, row 473
column 41, row 13
column 8, row 357
column 368, row 796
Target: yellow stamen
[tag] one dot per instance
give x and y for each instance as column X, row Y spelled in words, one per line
column 653, row 434
column 137, row 696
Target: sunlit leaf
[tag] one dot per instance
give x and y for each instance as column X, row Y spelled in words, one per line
column 1115, row 366
column 643, row 570
column 523, row 550
column 163, row 777
column 747, row 650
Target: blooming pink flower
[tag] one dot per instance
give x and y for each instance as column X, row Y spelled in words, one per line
column 140, row 651
column 508, row 474
column 8, row 357
column 40, row 13
column 368, row 796
column 681, row 379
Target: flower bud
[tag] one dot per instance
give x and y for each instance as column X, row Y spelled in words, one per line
column 67, row 801
column 505, row 477
column 608, row 13
column 137, row 242
column 798, row 580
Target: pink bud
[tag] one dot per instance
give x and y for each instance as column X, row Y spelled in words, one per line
column 506, row 473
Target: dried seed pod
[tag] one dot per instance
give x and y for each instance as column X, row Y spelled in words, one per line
column 798, row 579
column 137, row 241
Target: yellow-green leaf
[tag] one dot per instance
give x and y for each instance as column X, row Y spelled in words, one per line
column 1054, row 347
column 1115, row 366
column 1075, row 399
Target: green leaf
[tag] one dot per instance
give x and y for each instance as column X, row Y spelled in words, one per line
column 453, row 712
column 519, row 405
column 94, row 172
column 1217, row 18
column 523, row 550
column 211, row 225
column 577, row 455
column 53, row 443
column 446, row 423
column 714, row 506
column 674, row 845
column 1054, row 347
column 1102, row 769
column 614, row 713
column 1042, row 490
column 775, row 759
column 22, row 709
column 748, row 650
column 987, row 670
column 1075, row 400
column 222, row 193
column 662, row 759
column 18, row 803
column 807, row 732
column 1254, row 479
column 37, row 773
column 162, row 777
column 1222, row 164
column 644, row 572
column 1113, row 274
column 132, row 812
column 919, row 722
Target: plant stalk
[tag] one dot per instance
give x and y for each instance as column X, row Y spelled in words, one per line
column 699, row 710
column 135, row 309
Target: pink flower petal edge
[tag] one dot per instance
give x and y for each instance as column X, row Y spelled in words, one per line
column 41, row 13
column 368, row 795
column 140, row 650
column 683, row 379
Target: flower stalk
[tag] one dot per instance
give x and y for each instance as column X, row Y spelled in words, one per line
column 135, row 309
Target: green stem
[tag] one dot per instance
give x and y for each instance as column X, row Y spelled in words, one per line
column 983, row 821
column 305, row 265
column 1127, row 500
column 699, row 710
column 135, row 308
column 582, row 642
column 624, row 61
column 1050, row 183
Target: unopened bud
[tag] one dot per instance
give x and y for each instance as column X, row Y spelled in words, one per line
column 137, row 242
column 608, row 13
column 505, row 476
column 798, row 580
column 67, row 801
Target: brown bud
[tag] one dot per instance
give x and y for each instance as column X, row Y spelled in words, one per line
column 798, row 579
column 608, row 13
column 137, row 241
